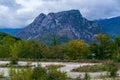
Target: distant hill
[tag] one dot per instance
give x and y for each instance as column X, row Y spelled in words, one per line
column 65, row 25
column 111, row 26
column 9, row 30
column 2, row 35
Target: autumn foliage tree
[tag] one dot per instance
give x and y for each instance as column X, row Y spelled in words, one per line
column 76, row 49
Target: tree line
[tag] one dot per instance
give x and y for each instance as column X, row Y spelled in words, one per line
column 103, row 48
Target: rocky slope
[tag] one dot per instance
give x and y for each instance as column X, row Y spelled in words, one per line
column 65, row 25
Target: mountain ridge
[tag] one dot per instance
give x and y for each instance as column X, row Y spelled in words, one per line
column 111, row 26
column 66, row 25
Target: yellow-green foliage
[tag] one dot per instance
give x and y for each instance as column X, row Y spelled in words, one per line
column 37, row 73
column 54, row 74
column 90, row 68
column 20, row 74
column 54, row 66
column 76, row 49
column 1, row 74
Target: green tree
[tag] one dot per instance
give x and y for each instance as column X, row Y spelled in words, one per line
column 104, row 46
column 6, row 42
column 27, row 49
column 54, row 52
column 116, row 49
column 76, row 49
column 94, row 48
column 117, row 42
column 54, row 40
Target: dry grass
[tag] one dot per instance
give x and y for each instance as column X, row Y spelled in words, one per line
column 54, row 66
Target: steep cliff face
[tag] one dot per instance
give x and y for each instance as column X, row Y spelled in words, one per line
column 65, row 25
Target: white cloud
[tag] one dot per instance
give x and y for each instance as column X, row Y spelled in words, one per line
column 7, row 19
column 19, row 13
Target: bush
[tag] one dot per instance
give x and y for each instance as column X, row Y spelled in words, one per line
column 39, row 73
column 14, row 60
column 20, row 74
column 54, row 74
column 90, row 68
column 112, row 70
column 54, row 66
column 85, row 77
column 1, row 74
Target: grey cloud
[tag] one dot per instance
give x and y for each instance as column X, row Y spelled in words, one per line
column 19, row 13
column 10, row 3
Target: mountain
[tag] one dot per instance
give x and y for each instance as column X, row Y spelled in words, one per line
column 65, row 25
column 9, row 30
column 111, row 26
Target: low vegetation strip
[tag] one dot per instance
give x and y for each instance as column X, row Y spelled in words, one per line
column 54, row 66
column 90, row 68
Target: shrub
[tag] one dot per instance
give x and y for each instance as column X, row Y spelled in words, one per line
column 112, row 70
column 20, row 74
column 86, row 76
column 54, row 66
column 39, row 73
column 54, row 74
column 1, row 74
column 14, row 60
column 90, row 68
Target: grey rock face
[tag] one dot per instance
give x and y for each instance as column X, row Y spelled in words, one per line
column 65, row 25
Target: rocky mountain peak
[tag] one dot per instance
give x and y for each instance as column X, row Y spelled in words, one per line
column 39, row 18
column 66, row 25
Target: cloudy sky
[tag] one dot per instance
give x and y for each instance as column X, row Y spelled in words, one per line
column 19, row 13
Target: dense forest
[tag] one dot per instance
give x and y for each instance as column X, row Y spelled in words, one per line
column 104, row 48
